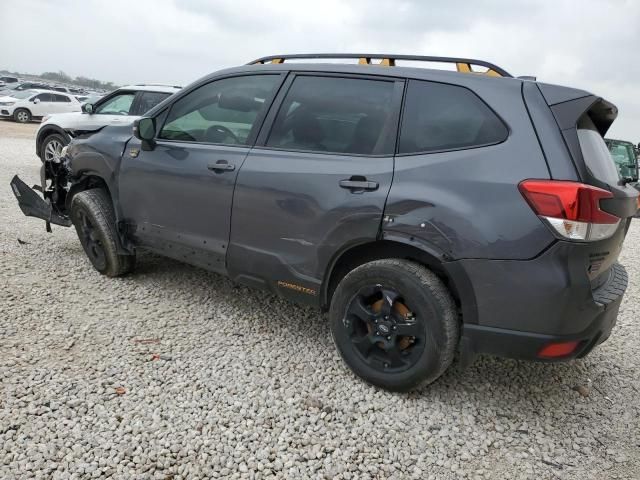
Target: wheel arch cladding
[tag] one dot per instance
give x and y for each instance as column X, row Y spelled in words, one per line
column 357, row 255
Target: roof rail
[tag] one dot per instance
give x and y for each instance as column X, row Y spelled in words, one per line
column 155, row 85
column 463, row 65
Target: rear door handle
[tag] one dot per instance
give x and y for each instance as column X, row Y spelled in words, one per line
column 221, row 166
column 358, row 183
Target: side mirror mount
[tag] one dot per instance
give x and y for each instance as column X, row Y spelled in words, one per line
column 36, row 100
column 144, row 129
column 87, row 108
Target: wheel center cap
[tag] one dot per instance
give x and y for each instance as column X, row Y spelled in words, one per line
column 384, row 328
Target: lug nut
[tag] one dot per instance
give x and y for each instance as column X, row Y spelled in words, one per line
column 386, row 318
column 389, row 337
column 394, row 327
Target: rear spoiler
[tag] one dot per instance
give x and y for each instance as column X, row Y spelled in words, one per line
column 569, row 104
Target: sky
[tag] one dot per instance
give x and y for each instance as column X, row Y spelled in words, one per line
column 589, row 44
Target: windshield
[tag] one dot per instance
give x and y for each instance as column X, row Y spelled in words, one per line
column 624, row 157
column 21, row 95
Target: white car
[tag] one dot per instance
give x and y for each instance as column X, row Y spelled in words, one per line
column 23, row 106
column 120, row 107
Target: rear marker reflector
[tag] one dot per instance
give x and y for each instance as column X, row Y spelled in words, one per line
column 558, row 350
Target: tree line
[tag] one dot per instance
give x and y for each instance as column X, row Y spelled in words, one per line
column 62, row 77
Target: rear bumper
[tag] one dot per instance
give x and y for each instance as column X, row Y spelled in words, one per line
column 515, row 308
column 527, row 346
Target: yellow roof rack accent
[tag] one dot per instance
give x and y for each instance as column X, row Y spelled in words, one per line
column 463, row 65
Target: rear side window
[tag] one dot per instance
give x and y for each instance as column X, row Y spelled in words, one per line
column 339, row 115
column 61, row 98
column 595, row 152
column 148, row 100
column 441, row 117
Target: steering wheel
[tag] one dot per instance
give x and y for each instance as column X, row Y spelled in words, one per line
column 219, row 132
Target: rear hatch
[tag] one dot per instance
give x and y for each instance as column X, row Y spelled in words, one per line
column 606, row 202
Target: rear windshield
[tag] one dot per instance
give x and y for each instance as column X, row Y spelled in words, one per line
column 595, row 152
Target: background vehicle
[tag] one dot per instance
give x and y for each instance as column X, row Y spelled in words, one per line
column 6, row 81
column 625, row 156
column 19, row 87
column 122, row 106
column 27, row 105
column 428, row 211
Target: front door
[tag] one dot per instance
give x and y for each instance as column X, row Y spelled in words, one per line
column 43, row 104
column 177, row 197
column 318, row 183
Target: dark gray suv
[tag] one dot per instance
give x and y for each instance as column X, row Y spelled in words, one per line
column 428, row 211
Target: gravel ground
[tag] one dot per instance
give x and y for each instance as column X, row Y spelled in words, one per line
column 173, row 373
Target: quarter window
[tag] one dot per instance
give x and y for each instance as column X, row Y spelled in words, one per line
column 222, row 112
column 341, row 115
column 60, row 98
column 439, row 117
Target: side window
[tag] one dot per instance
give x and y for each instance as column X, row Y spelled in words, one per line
column 61, row 98
column 223, row 111
column 439, row 116
column 118, row 105
column 148, row 100
column 45, row 97
column 330, row 114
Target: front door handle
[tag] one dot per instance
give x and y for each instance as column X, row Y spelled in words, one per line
column 221, row 166
column 358, row 184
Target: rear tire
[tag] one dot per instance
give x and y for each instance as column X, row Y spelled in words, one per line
column 52, row 147
column 22, row 115
column 93, row 216
column 395, row 324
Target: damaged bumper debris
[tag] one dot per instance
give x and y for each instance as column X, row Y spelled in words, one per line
column 50, row 207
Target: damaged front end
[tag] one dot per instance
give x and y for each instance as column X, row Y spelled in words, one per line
column 54, row 186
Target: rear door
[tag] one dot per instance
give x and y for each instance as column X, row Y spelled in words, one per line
column 316, row 182
column 63, row 104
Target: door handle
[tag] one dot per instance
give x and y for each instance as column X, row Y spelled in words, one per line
column 358, row 184
column 221, row 166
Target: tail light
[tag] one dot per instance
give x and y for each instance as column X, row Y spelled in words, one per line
column 571, row 209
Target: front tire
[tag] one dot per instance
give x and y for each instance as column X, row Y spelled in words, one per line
column 52, row 148
column 93, row 216
column 395, row 324
column 22, row 115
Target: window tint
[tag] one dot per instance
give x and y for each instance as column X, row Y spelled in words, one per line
column 328, row 114
column 45, row 97
column 146, row 101
column 223, row 111
column 118, row 105
column 61, row 98
column 445, row 117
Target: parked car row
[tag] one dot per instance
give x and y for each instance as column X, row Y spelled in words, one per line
column 120, row 107
column 26, row 105
column 431, row 213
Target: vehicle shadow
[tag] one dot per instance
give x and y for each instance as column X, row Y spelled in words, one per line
column 507, row 381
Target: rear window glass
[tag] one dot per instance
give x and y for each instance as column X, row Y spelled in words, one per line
column 440, row 117
column 595, row 152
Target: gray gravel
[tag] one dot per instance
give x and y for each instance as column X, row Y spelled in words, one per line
column 172, row 373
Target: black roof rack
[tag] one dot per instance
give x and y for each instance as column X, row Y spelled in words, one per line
column 464, row 65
